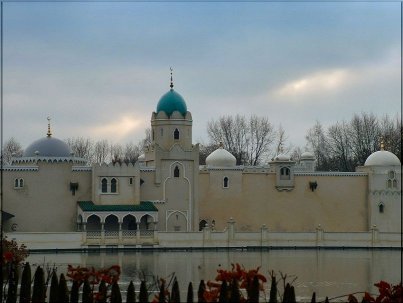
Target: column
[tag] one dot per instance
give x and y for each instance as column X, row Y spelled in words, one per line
column 84, row 231
column 319, row 235
column 375, row 234
column 138, row 232
column 120, row 232
column 263, row 233
column 231, row 229
column 102, row 232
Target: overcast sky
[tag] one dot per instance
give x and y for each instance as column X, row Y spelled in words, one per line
column 98, row 69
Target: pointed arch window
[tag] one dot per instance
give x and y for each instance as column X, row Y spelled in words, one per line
column 381, row 208
column 285, row 173
column 16, row 183
column 176, row 134
column 114, row 185
column 21, row 182
column 225, row 182
column 104, row 185
column 176, row 172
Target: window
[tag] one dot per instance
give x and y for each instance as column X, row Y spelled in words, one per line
column 113, row 185
column 104, row 185
column 176, row 172
column 152, row 135
column 391, row 182
column 19, row 183
column 176, row 134
column 225, row 182
column 381, row 208
column 130, row 181
column 285, row 173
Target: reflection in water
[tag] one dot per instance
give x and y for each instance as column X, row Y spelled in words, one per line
column 327, row 272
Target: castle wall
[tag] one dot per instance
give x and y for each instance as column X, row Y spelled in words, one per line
column 45, row 202
column 338, row 204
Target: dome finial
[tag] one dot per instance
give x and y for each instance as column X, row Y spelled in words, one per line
column 49, row 134
column 382, row 144
column 172, row 82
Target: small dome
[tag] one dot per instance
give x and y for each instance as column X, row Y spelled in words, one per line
column 282, row 157
column 307, row 156
column 383, row 158
column 221, row 158
column 171, row 102
column 48, row 147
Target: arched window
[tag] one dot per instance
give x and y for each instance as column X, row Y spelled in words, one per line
column 284, row 173
column 104, row 185
column 16, row 183
column 21, row 182
column 225, row 182
column 394, row 183
column 391, row 174
column 202, row 224
column 113, row 185
column 381, row 208
column 176, row 134
column 176, row 172
column 389, row 183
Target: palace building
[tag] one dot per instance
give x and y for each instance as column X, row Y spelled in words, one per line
column 48, row 189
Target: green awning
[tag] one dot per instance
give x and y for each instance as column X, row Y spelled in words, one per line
column 143, row 206
column 6, row 216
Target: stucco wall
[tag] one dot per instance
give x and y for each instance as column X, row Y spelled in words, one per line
column 338, row 203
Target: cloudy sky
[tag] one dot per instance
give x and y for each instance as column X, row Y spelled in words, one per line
column 99, row 68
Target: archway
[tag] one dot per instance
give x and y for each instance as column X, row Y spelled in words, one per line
column 177, row 222
column 129, row 223
column 93, row 223
column 111, row 223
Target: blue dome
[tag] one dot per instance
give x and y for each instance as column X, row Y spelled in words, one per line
column 48, row 147
column 171, row 102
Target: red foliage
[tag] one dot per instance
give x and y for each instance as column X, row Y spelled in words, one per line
column 12, row 252
column 387, row 294
column 110, row 275
column 238, row 273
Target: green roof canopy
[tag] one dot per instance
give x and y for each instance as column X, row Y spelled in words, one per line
column 143, row 206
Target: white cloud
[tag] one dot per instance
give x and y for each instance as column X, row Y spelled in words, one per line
column 311, row 84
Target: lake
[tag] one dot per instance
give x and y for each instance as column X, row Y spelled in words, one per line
column 327, row 272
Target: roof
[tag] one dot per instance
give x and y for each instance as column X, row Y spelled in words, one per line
column 143, row 206
column 48, row 147
column 170, row 102
column 220, row 158
column 383, row 158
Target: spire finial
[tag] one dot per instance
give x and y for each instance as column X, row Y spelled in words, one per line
column 382, row 144
column 221, row 144
column 172, row 82
column 49, row 132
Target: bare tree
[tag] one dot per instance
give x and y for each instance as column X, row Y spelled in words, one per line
column 339, row 144
column 260, row 138
column 249, row 140
column 316, row 141
column 296, row 153
column 116, row 153
column 391, row 132
column 81, row 147
column 101, row 151
column 132, row 152
column 11, row 148
column 365, row 136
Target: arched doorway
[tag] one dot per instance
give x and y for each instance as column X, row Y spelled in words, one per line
column 111, row 223
column 129, row 223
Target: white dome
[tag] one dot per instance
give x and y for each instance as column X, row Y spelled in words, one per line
column 282, row 157
column 383, row 158
column 307, row 156
column 220, row 158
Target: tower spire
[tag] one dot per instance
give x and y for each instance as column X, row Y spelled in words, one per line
column 49, row 134
column 172, row 82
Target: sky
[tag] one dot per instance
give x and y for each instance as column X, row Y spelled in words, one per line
column 98, row 69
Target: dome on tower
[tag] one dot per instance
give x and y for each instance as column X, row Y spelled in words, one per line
column 220, row 158
column 170, row 102
column 382, row 157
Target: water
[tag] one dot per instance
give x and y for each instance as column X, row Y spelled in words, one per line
column 327, row 272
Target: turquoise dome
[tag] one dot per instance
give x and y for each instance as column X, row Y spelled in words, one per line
column 171, row 102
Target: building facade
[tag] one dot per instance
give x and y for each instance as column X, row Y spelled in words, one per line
column 48, row 189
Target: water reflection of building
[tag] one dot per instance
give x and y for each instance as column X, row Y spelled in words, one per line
column 51, row 190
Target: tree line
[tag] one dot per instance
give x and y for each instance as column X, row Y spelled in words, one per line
column 254, row 140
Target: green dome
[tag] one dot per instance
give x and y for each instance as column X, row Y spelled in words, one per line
column 171, row 102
